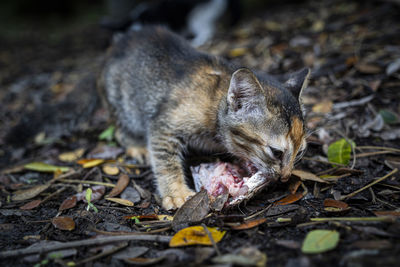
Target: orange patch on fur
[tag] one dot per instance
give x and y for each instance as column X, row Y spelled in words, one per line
column 296, row 133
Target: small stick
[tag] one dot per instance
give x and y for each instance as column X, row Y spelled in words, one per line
column 103, row 254
column 80, row 243
column 367, row 154
column 257, row 213
column 324, row 161
column 211, row 239
column 353, row 219
column 86, row 182
column 369, row 185
column 379, row 148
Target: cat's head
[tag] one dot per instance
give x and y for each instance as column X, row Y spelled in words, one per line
column 261, row 121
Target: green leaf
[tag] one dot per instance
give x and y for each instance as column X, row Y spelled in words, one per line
column 107, row 134
column 388, row 116
column 340, row 151
column 44, row 167
column 88, row 195
column 318, row 241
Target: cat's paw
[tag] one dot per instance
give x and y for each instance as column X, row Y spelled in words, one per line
column 176, row 201
column 141, row 154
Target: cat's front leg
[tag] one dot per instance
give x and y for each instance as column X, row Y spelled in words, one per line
column 165, row 156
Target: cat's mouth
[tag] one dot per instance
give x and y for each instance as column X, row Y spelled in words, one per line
column 239, row 182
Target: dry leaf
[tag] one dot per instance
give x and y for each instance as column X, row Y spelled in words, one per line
column 121, row 201
column 31, row 205
column 308, row 176
column 68, row 203
column 44, row 167
column 122, row 183
column 335, row 203
column 249, row 224
column 89, row 163
column 194, row 210
column 289, row 199
column 195, row 235
column 143, row 261
column 323, row 107
column 71, row 155
column 110, row 169
column 29, row 193
column 384, row 213
column 63, row 223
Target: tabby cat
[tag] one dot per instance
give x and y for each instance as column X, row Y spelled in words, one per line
column 167, row 96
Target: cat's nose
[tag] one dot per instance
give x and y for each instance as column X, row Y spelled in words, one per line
column 278, row 154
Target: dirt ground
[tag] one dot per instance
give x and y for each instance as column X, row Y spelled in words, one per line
column 49, row 108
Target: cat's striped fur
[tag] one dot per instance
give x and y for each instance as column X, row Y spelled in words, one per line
column 167, row 96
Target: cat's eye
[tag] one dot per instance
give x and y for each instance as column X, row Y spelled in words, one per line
column 278, row 154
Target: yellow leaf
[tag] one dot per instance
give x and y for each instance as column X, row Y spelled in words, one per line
column 71, row 155
column 110, row 169
column 165, row 217
column 121, row 201
column 195, row 235
column 237, row 52
column 90, row 163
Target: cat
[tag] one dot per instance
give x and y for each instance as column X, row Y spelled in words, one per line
column 166, row 96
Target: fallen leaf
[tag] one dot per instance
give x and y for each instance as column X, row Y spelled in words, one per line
column 289, row 199
column 143, row 261
column 368, row 68
column 107, row 134
column 122, row 183
column 372, row 244
column 318, row 241
column 72, row 155
column 44, row 167
column 248, row 256
column 335, row 203
column 121, row 201
column 195, row 235
column 323, row 107
column 110, row 169
column 339, row 152
column 130, row 252
column 29, row 193
column 89, row 163
column 68, row 203
column 388, row 116
column 105, row 152
column 63, row 223
column 131, row 194
column 31, row 205
column 249, row 224
column 194, row 210
column 384, row 213
column 393, row 67
column 308, row 176
column 237, row 52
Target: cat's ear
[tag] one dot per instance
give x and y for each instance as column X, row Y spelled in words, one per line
column 297, row 82
column 244, row 90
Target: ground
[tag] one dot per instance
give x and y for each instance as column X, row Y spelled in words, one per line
column 353, row 48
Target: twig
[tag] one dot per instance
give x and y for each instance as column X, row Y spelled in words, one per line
column 367, row 154
column 257, row 213
column 354, row 219
column 379, row 148
column 369, row 185
column 86, row 182
column 211, row 239
column 80, row 243
column 103, row 254
column 373, row 195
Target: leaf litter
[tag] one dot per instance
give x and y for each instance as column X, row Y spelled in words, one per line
column 352, row 96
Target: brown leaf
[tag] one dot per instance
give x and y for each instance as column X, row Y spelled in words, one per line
column 335, row 203
column 249, row 224
column 110, row 169
column 122, row 183
column 143, row 261
column 121, row 201
column 68, row 203
column 63, row 223
column 307, row 176
column 29, row 193
column 289, row 199
column 31, row 205
column 194, row 210
column 368, row 68
column 383, row 213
